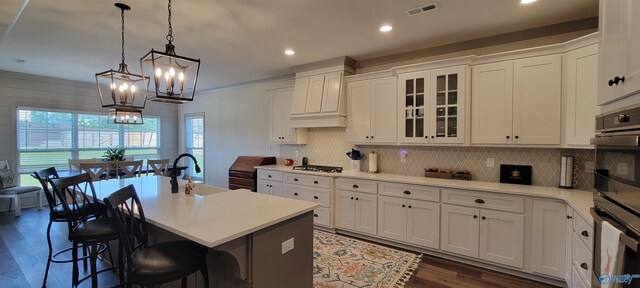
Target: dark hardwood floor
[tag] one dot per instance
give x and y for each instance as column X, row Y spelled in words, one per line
column 23, row 255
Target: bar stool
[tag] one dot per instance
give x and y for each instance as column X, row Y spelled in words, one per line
column 89, row 228
column 155, row 264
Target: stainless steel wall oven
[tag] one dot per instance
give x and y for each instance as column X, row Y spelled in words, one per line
column 617, row 184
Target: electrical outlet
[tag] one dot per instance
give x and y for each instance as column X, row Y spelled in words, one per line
column 297, row 153
column 267, row 147
column 287, row 246
column 588, row 166
column 491, row 162
column 260, row 147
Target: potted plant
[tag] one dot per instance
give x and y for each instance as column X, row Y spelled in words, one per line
column 113, row 155
column 355, row 156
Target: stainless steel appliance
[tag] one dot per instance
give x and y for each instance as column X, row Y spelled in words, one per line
column 319, row 168
column 617, row 181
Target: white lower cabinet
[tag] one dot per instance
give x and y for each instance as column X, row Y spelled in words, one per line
column 411, row 221
column 270, row 187
column 577, row 280
column 489, row 235
column 312, row 188
column 549, row 232
column 356, row 211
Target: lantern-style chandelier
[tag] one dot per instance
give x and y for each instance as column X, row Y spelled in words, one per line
column 124, row 93
column 174, row 76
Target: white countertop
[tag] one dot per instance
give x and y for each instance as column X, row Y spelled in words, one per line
column 581, row 201
column 213, row 216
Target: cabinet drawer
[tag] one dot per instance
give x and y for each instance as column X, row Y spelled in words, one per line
column 270, row 175
column 312, row 194
column 357, row 185
column 584, row 230
column 322, row 216
column 483, row 200
column 409, row 191
column 308, row 180
column 582, row 259
column 576, row 279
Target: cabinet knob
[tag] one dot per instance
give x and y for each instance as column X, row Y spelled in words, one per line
column 475, row 216
column 426, row 136
column 295, row 194
column 355, row 186
column 315, row 215
column 610, row 82
column 315, row 197
column 479, row 201
column 351, row 198
column 371, row 136
column 269, row 176
column 517, row 137
column 432, row 137
column 585, row 233
column 315, row 182
column 403, row 205
column 569, row 217
column 584, row 266
column 484, row 218
column 407, row 192
column 617, row 80
column 295, row 179
column 508, row 137
column 409, row 206
column 357, row 199
column 367, row 137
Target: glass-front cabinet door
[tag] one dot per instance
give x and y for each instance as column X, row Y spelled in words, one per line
column 432, row 106
column 448, row 91
column 413, row 96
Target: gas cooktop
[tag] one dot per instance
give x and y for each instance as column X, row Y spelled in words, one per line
column 319, row 168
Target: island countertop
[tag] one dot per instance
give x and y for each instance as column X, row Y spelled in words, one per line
column 213, row 216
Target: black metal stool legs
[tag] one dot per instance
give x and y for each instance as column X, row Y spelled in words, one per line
column 205, row 275
column 46, row 270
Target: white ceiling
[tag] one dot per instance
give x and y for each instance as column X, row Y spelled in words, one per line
column 244, row 40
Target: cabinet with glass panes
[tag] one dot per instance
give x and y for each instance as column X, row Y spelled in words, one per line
column 433, row 104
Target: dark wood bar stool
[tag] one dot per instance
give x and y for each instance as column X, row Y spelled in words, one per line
column 156, row 264
column 89, row 227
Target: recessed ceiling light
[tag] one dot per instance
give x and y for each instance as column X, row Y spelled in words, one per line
column 527, row 1
column 385, row 28
column 289, row 52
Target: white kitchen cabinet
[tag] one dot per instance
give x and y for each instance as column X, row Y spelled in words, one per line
column 517, row 102
column 568, row 247
column 279, row 127
column 580, row 74
column 460, row 231
column 485, row 234
column 411, row 221
column 432, row 106
column 269, row 187
column 356, row 211
column 318, row 100
column 371, row 111
column 312, row 188
column 549, row 232
column 619, row 46
column 502, row 238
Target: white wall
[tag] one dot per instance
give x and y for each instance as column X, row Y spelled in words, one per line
column 25, row 90
column 236, row 123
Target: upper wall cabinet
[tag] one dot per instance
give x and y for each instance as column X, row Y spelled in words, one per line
column 280, row 130
column 318, row 100
column 619, row 56
column 432, row 106
column 580, row 86
column 371, row 111
column 517, row 102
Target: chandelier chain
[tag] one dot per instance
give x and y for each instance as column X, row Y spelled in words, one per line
column 122, row 15
column 170, row 34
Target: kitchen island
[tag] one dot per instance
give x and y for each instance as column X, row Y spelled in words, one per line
column 250, row 227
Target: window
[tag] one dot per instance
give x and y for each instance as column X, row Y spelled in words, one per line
column 194, row 142
column 51, row 138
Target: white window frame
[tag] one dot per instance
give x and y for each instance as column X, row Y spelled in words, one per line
column 188, row 146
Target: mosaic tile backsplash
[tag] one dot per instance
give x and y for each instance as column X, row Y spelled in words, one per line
column 326, row 146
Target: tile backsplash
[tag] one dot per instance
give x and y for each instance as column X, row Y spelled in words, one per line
column 326, row 146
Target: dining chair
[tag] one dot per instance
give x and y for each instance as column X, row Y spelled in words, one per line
column 150, row 265
column 90, row 228
column 129, row 169
column 158, row 167
column 74, row 164
column 97, row 170
column 8, row 188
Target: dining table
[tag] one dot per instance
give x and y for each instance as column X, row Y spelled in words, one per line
column 144, row 171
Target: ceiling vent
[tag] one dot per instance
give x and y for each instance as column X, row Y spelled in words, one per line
column 418, row 10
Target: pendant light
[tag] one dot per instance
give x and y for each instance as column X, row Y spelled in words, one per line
column 174, row 76
column 123, row 92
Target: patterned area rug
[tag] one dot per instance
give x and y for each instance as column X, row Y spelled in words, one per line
column 342, row 262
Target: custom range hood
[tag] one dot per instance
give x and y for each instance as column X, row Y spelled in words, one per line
column 319, row 97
